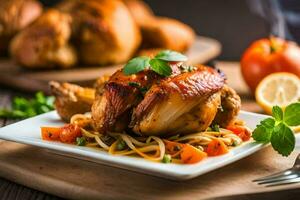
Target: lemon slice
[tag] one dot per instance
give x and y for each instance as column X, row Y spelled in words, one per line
column 279, row 89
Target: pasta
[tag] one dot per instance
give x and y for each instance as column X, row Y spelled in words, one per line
column 153, row 148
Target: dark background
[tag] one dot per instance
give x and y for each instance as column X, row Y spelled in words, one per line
column 229, row 21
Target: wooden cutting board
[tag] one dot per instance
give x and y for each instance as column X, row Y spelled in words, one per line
column 203, row 50
column 78, row 179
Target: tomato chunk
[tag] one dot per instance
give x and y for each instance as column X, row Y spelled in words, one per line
column 69, row 133
column 50, row 133
column 216, row 147
column 241, row 131
column 191, row 155
column 188, row 153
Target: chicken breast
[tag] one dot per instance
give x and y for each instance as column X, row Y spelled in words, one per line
column 176, row 100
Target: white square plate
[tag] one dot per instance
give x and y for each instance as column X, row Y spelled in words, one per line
column 28, row 132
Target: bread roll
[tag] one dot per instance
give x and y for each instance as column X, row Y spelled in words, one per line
column 15, row 15
column 45, row 43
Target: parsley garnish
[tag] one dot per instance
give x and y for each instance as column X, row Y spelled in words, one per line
column 80, row 141
column 159, row 63
column 24, row 108
column 137, row 85
column 276, row 129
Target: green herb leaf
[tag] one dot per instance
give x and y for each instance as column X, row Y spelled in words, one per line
column 80, row 141
column 121, row 145
column 168, row 55
column 283, row 139
column 277, row 113
column 134, row 84
column 215, row 128
column 24, row 108
column 136, row 65
column 292, row 114
column 263, row 131
column 161, row 67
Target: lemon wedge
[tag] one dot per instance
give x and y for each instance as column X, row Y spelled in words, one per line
column 279, row 89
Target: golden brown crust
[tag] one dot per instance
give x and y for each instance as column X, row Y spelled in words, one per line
column 160, row 32
column 45, row 43
column 167, row 33
column 104, row 30
column 199, row 83
column 71, row 99
column 15, row 15
column 140, row 11
column 118, row 97
column 230, row 107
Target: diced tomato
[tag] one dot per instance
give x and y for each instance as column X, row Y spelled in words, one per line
column 242, row 132
column 216, row 147
column 51, row 133
column 191, row 155
column 69, row 133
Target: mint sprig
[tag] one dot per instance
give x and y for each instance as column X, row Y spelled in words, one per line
column 277, row 129
column 158, row 64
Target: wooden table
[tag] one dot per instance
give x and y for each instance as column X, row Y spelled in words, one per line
column 11, row 190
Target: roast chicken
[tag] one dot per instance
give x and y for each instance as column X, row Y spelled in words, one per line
column 45, row 43
column 156, row 30
column 147, row 103
column 15, row 15
column 183, row 103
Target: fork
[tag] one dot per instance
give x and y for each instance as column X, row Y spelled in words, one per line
column 289, row 176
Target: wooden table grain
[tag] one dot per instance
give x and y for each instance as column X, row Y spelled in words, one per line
column 11, row 190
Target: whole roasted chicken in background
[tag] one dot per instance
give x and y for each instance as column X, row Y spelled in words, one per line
column 15, row 15
column 96, row 32
column 160, row 96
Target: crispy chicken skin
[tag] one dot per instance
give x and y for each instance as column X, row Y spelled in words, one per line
column 230, row 106
column 166, row 102
column 104, row 30
column 15, row 15
column 183, row 103
column 119, row 97
column 71, row 99
column 45, row 42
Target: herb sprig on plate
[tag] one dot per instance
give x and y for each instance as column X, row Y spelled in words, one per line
column 277, row 129
column 159, row 64
column 24, row 108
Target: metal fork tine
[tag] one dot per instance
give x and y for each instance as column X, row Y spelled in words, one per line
column 285, row 182
column 278, row 179
column 276, row 175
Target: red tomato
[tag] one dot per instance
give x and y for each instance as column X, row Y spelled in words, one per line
column 240, row 131
column 216, row 147
column 69, row 133
column 266, row 56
